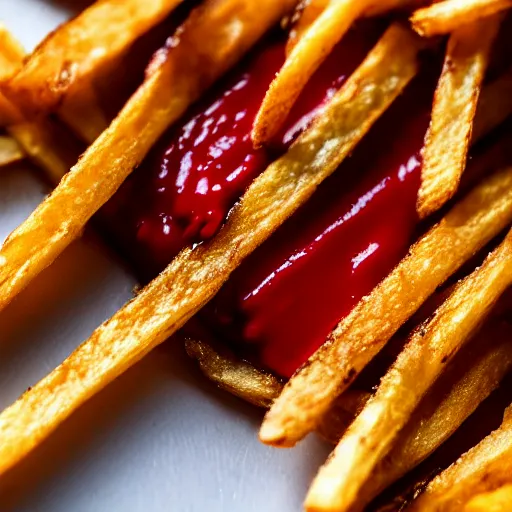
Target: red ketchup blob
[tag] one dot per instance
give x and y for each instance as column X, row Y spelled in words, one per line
column 291, row 292
column 183, row 192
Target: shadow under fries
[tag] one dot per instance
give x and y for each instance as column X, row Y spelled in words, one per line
column 160, row 405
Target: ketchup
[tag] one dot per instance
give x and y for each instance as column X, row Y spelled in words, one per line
column 183, row 192
column 280, row 305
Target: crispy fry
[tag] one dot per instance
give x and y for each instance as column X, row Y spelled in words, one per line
column 303, row 61
column 449, row 15
column 70, row 56
column 373, row 433
column 10, row 151
column 495, row 501
column 472, row 223
column 234, row 375
column 177, row 77
column 197, row 274
column 495, row 106
column 455, row 103
column 484, row 468
column 434, row 422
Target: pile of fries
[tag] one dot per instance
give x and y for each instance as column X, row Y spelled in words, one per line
column 50, row 112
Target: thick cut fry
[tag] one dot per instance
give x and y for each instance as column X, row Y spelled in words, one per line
column 484, row 468
column 178, row 76
column 495, row 106
column 495, row 501
column 361, row 335
column 10, row 151
column 455, row 103
column 434, row 422
column 70, row 56
column 373, row 433
column 450, row 15
column 197, row 274
column 303, row 61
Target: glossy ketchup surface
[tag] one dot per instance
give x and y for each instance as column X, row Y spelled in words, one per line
column 288, row 295
column 183, row 192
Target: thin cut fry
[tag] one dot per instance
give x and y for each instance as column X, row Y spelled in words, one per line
column 373, row 433
column 303, row 61
column 433, row 422
column 10, row 151
column 495, row 501
column 197, row 274
column 455, row 103
column 70, row 56
column 472, row 223
column 177, row 78
column 450, row 15
column 484, row 468
column 495, row 106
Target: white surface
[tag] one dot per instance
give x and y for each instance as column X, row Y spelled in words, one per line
column 158, row 439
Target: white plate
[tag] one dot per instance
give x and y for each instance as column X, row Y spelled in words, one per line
column 160, row 438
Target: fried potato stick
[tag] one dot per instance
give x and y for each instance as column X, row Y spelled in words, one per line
column 10, row 151
column 450, row 15
column 373, row 433
column 483, row 468
column 304, row 59
column 178, row 76
column 71, row 54
column 198, row 273
column 494, row 501
column 434, row 422
column 471, row 223
column 455, row 104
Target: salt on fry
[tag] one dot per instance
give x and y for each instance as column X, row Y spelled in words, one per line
column 304, row 59
column 434, row 422
column 471, row 223
column 372, row 434
column 10, row 151
column 450, row 15
column 177, row 78
column 483, row 468
column 70, row 55
column 493, row 501
column 455, row 103
column 198, row 273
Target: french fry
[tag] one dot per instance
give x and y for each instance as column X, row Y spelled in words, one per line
column 449, row 15
column 304, row 59
column 177, row 78
column 495, row 106
column 494, row 501
column 10, row 151
column 198, row 273
column 471, row 223
column 484, row 468
column 372, row 434
column 469, row 382
column 455, row 104
column 71, row 55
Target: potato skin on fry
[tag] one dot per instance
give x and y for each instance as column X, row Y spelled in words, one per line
column 197, row 274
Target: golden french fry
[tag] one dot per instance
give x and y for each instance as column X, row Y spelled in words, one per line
column 71, row 54
column 177, row 78
column 484, row 468
column 303, row 61
column 373, row 433
column 470, row 381
column 473, row 222
column 197, row 274
column 499, row 500
column 455, row 103
column 495, row 105
column 449, row 15
column 10, row 151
